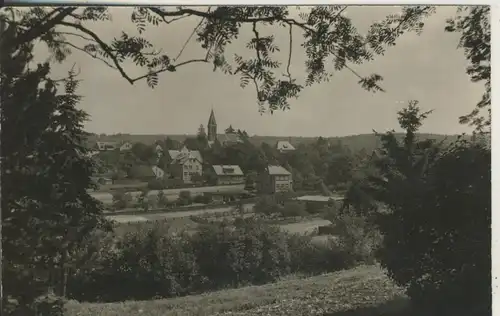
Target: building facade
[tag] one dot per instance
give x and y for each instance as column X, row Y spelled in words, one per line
column 186, row 164
column 228, row 174
column 275, row 179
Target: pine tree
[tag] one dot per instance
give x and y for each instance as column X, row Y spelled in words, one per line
column 46, row 171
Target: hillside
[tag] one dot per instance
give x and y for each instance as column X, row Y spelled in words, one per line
column 363, row 291
column 354, row 142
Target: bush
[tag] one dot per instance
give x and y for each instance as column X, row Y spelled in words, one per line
column 266, row 205
column 204, row 199
column 156, row 184
column 438, row 235
column 143, row 202
column 149, row 262
column 161, row 199
column 293, row 209
column 185, row 198
column 121, row 200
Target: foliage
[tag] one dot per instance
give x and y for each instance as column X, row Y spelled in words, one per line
column 473, row 22
column 185, row 198
column 156, row 184
column 121, row 200
column 436, row 219
column 266, row 205
column 154, row 263
column 144, row 153
column 328, row 35
column 143, row 202
column 161, row 199
column 47, row 214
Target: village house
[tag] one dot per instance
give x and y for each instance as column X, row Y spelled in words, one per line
column 125, row 146
column 108, row 146
column 275, row 179
column 158, row 172
column 228, row 174
column 186, row 164
column 284, row 146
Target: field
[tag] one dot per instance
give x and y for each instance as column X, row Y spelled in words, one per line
column 363, row 291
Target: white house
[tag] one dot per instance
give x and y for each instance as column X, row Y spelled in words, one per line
column 284, row 146
column 125, row 146
column 159, row 173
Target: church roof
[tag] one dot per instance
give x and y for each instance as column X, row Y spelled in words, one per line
column 211, row 120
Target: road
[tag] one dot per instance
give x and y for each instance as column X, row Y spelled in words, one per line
column 171, row 194
column 161, row 216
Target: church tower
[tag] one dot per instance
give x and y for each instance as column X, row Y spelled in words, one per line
column 212, row 127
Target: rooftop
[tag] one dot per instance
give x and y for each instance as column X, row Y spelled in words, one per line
column 278, row 171
column 233, row 170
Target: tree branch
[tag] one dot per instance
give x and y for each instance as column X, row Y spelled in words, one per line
column 103, row 45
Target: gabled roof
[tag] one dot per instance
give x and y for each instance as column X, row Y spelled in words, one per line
column 277, row 171
column 229, row 138
column 230, row 170
column 284, row 145
column 180, row 156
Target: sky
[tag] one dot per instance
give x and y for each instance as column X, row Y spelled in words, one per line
column 429, row 68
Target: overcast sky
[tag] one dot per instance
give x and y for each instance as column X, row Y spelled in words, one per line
column 428, row 68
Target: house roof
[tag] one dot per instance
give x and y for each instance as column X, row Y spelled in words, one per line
column 107, row 143
column 284, row 145
column 229, row 138
column 231, row 170
column 184, row 154
column 278, row 171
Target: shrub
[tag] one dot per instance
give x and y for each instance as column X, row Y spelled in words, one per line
column 121, row 200
column 439, row 244
column 185, row 198
column 156, row 184
column 149, row 262
column 161, row 199
column 143, row 202
column 293, row 209
column 266, row 205
column 204, row 199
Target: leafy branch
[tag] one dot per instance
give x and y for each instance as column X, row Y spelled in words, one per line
column 329, row 38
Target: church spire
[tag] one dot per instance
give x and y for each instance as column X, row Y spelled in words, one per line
column 212, row 127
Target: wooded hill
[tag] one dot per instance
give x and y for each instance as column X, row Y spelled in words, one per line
column 353, row 142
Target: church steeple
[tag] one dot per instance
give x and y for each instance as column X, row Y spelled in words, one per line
column 212, row 127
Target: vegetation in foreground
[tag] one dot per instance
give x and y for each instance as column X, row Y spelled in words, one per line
column 365, row 289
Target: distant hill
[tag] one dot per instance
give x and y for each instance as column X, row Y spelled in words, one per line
column 354, row 142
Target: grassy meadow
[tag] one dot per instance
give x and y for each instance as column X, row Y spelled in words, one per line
column 362, row 291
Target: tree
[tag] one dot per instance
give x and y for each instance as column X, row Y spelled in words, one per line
column 143, row 201
column 161, row 199
column 171, row 144
column 143, row 152
column 47, row 214
column 201, row 132
column 436, row 219
column 328, row 36
column 473, row 22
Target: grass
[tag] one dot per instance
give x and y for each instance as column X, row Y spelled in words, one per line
column 363, row 291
